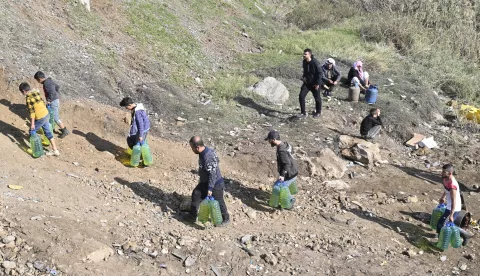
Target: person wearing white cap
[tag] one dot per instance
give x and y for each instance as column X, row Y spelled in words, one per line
column 330, row 77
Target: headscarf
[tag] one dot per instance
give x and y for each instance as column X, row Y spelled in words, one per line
column 360, row 71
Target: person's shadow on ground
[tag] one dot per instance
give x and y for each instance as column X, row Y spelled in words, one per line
column 166, row 201
column 15, row 135
column 416, row 235
column 269, row 112
column 432, row 178
column 101, row 144
column 19, row 109
column 253, row 198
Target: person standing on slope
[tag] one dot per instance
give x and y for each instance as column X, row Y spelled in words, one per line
column 312, row 80
column 51, row 90
column 140, row 124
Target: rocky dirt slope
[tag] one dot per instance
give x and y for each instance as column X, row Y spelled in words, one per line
column 86, row 213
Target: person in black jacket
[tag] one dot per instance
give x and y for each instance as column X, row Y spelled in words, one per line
column 211, row 182
column 286, row 165
column 330, row 77
column 312, row 81
column 51, row 90
column 371, row 125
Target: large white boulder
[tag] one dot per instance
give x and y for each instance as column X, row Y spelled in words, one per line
column 272, row 90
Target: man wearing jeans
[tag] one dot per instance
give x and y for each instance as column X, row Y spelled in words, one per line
column 211, row 181
column 371, row 125
column 312, row 80
column 51, row 89
column 454, row 202
column 39, row 116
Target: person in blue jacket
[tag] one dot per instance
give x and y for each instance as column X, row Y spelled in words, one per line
column 140, row 123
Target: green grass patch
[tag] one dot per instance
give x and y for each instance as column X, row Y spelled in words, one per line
column 163, row 37
column 226, row 87
column 344, row 42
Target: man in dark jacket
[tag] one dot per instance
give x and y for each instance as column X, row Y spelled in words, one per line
column 140, row 123
column 330, row 77
column 51, row 90
column 312, row 81
column 211, row 181
column 286, row 165
column 371, row 125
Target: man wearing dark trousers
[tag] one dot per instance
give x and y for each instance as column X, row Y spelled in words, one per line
column 312, row 80
column 211, row 181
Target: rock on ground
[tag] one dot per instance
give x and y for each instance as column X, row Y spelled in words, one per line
column 327, row 165
column 272, row 90
column 100, row 254
column 359, row 150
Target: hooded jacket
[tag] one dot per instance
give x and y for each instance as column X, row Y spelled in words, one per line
column 286, row 165
column 140, row 122
column 51, row 90
column 312, row 72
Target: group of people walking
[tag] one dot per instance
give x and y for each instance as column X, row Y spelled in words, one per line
column 318, row 79
column 40, row 112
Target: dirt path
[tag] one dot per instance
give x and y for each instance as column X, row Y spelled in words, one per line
column 87, row 201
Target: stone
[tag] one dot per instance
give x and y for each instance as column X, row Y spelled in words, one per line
column 9, row 265
column 8, row 239
column 356, row 149
column 270, row 259
column 463, row 266
column 410, row 253
column 39, row 265
column 86, row 3
column 411, row 199
column 154, row 254
column 252, row 214
column 470, row 257
column 326, row 165
column 475, row 187
column 336, row 184
column 190, row 261
column 246, row 239
column 443, row 258
column 164, row 251
column 272, row 90
column 101, row 254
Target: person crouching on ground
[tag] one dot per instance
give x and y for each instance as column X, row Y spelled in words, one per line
column 454, row 202
column 286, row 165
column 140, row 124
column 211, row 182
column 371, row 125
column 330, row 77
column 358, row 77
column 39, row 116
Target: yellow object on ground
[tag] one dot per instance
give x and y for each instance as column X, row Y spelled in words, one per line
column 15, row 187
column 470, row 112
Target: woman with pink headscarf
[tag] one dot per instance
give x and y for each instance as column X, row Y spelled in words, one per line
column 356, row 76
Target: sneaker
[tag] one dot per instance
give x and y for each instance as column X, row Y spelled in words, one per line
column 64, row 133
column 302, row 116
column 52, row 153
column 224, row 223
column 316, row 114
